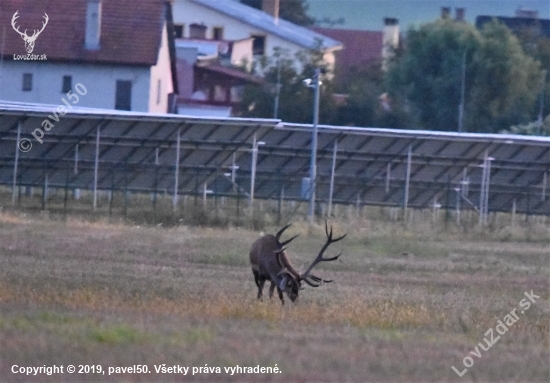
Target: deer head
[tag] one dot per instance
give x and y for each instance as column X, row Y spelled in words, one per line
column 289, row 282
column 311, row 279
column 29, row 40
column 291, row 279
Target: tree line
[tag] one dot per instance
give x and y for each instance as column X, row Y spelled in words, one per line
column 500, row 77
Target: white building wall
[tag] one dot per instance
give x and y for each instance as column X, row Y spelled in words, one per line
column 242, row 53
column 186, row 12
column 161, row 74
column 99, row 80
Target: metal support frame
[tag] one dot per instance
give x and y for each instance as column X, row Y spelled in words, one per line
column 177, row 171
column 457, row 205
column 523, row 164
column 45, row 191
column 253, row 172
column 484, row 190
column 255, row 145
column 76, row 159
column 96, row 164
column 407, row 182
column 15, row 165
column 205, row 192
column 544, row 182
column 388, row 177
column 280, row 204
column 234, row 168
column 332, row 171
column 66, row 189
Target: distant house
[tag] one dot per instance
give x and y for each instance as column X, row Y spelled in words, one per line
column 208, row 88
column 523, row 20
column 121, row 52
column 232, row 21
column 363, row 48
column 210, row 80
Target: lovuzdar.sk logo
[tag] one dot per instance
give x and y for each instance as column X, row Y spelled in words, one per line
column 29, row 40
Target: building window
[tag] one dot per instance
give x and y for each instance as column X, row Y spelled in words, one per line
column 258, row 45
column 159, row 87
column 217, row 33
column 197, row 31
column 220, row 94
column 27, row 82
column 179, row 30
column 123, row 96
column 67, row 85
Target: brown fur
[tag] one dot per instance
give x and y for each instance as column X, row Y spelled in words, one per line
column 270, row 262
column 267, row 262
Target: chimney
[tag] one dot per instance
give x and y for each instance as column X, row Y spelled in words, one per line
column 93, row 25
column 460, row 14
column 445, row 12
column 527, row 13
column 390, row 33
column 390, row 39
column 271, row 7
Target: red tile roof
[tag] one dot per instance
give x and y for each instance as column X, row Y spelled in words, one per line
column 360, row 47
column 131, row 30
column 226, row 76
column 230, row 74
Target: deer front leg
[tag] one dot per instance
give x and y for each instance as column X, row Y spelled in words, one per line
column 259, row 282
column 281, row 297
column 271, row 289
column 279, row 291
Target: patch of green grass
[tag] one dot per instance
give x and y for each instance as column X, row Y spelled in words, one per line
column 396, row 245
column 55, row 318
column 197, row 335
column 117, row 334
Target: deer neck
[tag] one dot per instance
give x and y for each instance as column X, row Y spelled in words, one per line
column 285, row 262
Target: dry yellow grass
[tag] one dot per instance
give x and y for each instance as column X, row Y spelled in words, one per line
column 403, row 307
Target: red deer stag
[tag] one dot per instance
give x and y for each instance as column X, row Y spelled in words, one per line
column 270, row 262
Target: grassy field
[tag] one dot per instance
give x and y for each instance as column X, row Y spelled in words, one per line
column 406, row 305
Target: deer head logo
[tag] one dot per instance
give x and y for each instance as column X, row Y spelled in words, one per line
column 29, row 40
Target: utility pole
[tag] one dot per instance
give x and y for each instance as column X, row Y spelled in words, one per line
column 313, row 166
column 540, row 121
column 462, row 91
column 277, row 89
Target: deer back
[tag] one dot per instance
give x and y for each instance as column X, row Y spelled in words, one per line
column 267, row 258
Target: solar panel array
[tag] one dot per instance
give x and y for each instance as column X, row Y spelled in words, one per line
column 112, row 150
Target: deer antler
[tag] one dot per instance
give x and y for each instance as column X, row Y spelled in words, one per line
column 278, row 236
column 15, row 17
column 312, row 280
column 44, row 23
column 36, row 31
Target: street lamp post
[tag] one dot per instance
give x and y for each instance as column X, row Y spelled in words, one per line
column 313, row 166
column 255, row 145
column 462, row 91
